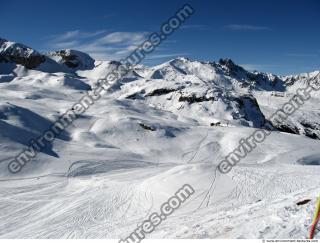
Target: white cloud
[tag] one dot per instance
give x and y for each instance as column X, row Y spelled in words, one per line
column 302, row 55
column 107, row 16
column 65, row 44
column 194, row 27
column 246, row 27
column 102, row 45
column 256, row 67
column 98, row 44
column 70, row 35
column 123, row 37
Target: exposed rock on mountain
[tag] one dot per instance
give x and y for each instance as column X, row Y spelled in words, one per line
column 207, row 92
column 19, row 54
column 73, row 59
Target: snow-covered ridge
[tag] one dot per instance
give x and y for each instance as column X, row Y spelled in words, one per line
column 73, row 59
column 206, row 71
column 208, row 92
column 20, row 54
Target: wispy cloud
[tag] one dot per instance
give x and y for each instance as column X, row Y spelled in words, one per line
column 74, row 34
column 257, row 67
column 123, row 38
column 246, row 27
column 65, row 44
column 194, row 27
column 108, row 16
column 103, row 45
column 302, row 55
column 251, row 67
column 99, row 44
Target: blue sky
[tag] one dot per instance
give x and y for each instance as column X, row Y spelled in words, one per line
column 282, row 37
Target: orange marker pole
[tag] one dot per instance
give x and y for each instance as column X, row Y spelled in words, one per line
column 315, row 220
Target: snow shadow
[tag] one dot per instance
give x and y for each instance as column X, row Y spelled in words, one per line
column 310, row 160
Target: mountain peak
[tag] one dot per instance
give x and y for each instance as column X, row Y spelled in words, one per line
column 73, row 58
column 20, row 54
column 2, row 41
column 230, row 67
column 227, row 62
column 184, row 59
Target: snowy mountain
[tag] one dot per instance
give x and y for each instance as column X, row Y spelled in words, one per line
column 153, row 131
column 19, row 54
column 72, row 59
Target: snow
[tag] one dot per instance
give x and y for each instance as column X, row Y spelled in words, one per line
column 137, row 145
column 16, row 48
column 76, row 59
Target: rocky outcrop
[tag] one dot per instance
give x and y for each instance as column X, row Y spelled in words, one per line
column 193, row 98
column 20, row 54
column 73, row 59
column 230, row 67
column 250, row 110
column 158, row 92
